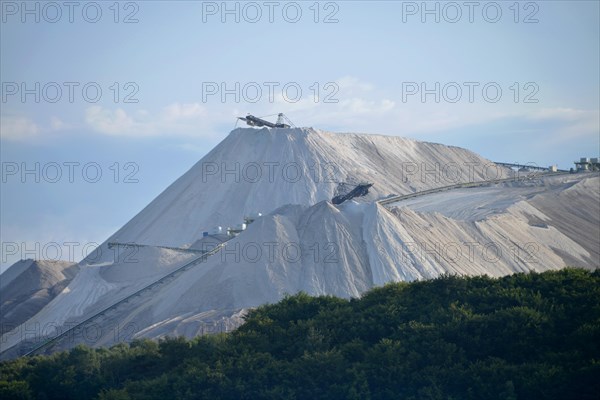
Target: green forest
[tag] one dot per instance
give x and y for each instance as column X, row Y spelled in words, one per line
column 525, row 336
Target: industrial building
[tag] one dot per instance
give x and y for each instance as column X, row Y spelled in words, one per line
column 587, row 164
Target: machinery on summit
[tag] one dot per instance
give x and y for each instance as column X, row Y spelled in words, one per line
column 282, row 121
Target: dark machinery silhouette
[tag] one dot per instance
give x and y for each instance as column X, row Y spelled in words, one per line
column 255, row 121
column 362, row 189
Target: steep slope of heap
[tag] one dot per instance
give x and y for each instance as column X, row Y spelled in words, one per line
column 259, row 170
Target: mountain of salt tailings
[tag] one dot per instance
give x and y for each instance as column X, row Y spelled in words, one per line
column 305, row 243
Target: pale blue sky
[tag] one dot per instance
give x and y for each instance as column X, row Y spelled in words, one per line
column 372, row 53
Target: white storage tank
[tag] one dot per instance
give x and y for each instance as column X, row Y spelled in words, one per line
column 235, row 230
column 252, row 217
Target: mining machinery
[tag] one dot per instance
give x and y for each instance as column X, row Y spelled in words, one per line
column 362, row 189
column 255, row 121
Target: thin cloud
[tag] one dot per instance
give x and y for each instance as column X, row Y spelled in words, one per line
column 571, row 124
column 18, row 128
column 174, row 119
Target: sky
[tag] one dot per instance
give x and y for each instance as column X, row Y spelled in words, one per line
column 104, row 104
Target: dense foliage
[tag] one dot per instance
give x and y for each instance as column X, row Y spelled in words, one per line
column 526, row 336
